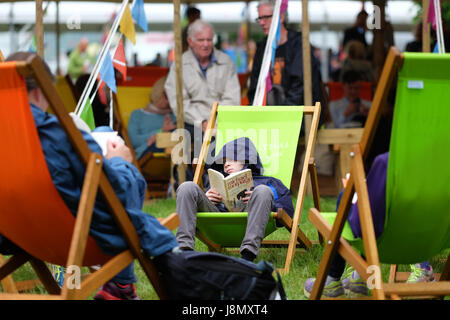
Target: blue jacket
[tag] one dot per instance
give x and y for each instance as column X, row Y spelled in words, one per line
column 242, row 149
column 67, row 172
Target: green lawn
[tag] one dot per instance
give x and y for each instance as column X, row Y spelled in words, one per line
column 304, row 265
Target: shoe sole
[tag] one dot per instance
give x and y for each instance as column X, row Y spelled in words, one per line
column 103, row 295
column 308, row 294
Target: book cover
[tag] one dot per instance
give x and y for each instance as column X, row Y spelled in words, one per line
column 232, row 188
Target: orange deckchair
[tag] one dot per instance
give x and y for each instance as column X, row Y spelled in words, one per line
column 42, row 225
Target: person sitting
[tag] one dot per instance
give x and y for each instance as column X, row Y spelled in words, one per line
column 350, row 111
column 268, row 195
column 354, row 284
column 145, row 123
column 68, row 172
column 356, row 61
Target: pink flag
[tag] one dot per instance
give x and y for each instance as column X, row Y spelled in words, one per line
column 284, row 5
column 431, row 14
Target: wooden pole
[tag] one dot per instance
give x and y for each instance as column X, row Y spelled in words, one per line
column 425, row 26
column 58, row 46
column 307, row 79
column 179, row 81
column 379, row 52
column 39, row 29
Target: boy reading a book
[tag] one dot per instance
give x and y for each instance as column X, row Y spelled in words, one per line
column 269, row 194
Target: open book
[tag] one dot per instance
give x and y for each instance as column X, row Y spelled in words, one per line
column 232, row 188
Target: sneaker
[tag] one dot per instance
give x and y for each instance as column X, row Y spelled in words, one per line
column 419, row 274
column 116, row 291
column 247, row 255
column 355, row 286
column 334, row 289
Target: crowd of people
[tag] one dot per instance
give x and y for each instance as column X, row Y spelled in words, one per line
column 209, row 75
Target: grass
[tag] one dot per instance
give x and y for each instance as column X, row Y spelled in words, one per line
column 304, row 265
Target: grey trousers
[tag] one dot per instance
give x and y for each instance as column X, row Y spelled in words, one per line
column 191, row 199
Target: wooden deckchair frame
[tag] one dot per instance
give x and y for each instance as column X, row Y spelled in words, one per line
column 335, row 243
column 95, row 180
column 297, row 237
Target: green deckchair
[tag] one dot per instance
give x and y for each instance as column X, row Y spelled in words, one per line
column 275, row 132
column 417, row 225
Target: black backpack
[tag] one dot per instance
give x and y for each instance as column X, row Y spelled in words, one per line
column 192, row 275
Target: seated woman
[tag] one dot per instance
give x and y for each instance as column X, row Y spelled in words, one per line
column 146, row 122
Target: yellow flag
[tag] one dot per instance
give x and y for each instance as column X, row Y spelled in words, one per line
column 127, row 25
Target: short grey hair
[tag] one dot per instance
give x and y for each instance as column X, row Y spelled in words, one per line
column 197, row 26
column 272, row 4
column 266, row 2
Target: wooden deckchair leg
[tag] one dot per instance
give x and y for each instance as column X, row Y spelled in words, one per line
column 83, row 218
column 45, row 276
column 302, row 191
column 13, row 264
column 445, row 275
column 392, row 273
column 332, row 244
column 365, row 217
column 8, row 282
column 212, row 246
column 315, row 190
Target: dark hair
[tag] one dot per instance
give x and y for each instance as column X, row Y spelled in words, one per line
column 350, row 76
column 23, row 56
column 191, row 11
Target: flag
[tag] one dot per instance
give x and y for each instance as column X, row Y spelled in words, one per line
column 107, row 73
column 119, row 60
column 138, row 14
column 431, row 14
column 127, row 26
column 33, row 45
column 88, row 115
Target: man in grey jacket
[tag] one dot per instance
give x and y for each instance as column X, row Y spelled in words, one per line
column 208, row 75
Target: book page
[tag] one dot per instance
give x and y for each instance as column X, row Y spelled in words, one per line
column 102, row 137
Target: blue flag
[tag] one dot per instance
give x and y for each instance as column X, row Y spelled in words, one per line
column 107, row 73
column 138, row 14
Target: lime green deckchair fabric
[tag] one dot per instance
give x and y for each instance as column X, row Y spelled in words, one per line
column 417, row 224
column 274, row 130
column 418, row 180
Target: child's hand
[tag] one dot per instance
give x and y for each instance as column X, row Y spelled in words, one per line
column 248, row 194
column 213, row 196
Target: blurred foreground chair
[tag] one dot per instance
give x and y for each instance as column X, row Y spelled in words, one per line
column 32, row 207
column 417, row 225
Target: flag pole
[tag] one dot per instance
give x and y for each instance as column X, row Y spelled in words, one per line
column 265, row 66
column 103, row 52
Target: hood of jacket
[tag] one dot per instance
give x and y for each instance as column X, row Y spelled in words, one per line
column 243, row 150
